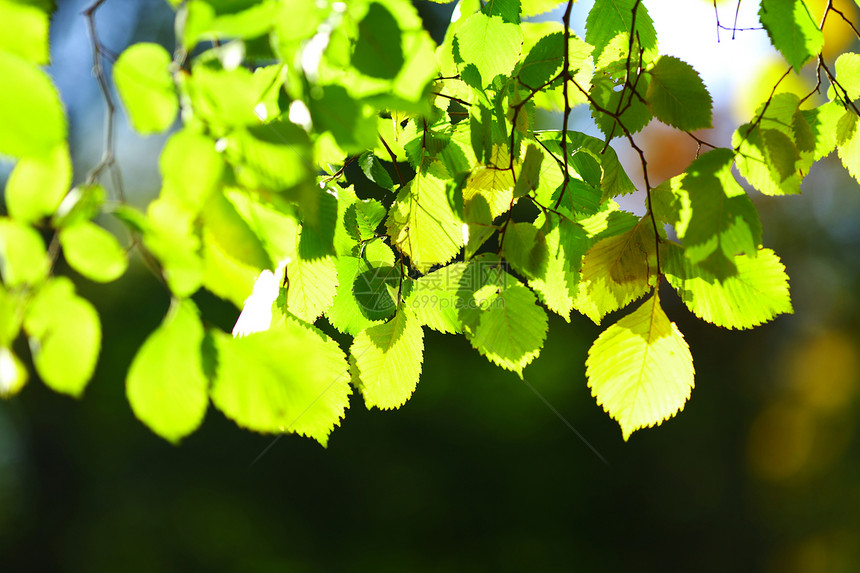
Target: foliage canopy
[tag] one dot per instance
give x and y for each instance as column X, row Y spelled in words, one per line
column 481, row 223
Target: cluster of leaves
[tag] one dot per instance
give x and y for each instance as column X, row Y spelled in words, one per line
column 480, row 223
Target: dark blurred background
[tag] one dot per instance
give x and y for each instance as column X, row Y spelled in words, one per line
column 760, row 472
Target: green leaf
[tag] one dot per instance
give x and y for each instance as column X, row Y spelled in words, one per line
column 507, row 10
column 386, row 360
column 848, row 74
column 634, row 118
column 792, row 30
column 233, row 234
column 557, row 286
column 65, row 336
column 677, row 95
column 500, row 316
column 640, row 369
column 202, row 23
column 435, row 298
column 345, row 312
column 311, row 286
column 525, row 248
column 494, row 185
column 166, row 386
column 490, row 44
column 142, row 78
column 352, row 123
column 422, row 224
column 287, row 379
column 373, row 170
column 274, row 156
column 378, row 51
column 37, row 185
column 191, row 168
column 848, row 147
column 709, row 209
column 172, row 238
column 362, row 218
column 529, row 178
column 23, row 259
column 223, row 275
column 767, row 159
column 13, row 374
column 32, row 119
column 227, row 98
column 616, row 271
column 24, row 31
column 535, row 7
column 610, row 18
column 741, row 292
column 93, row 252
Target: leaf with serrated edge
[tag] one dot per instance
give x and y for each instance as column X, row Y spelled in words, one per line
column 742, row 292
column 490, row 44
column 709, row 209
column 501, row 317
column 311, row 286
column 848, row 147
column 640, row 369
column 434, row 298
column 386, row 360
column 422, row 224
column 678, row 96
column 290, row 378
column 616, row 271
column 792, row 30
column 166, row 386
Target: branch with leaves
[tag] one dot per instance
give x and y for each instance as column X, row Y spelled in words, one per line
column 277, row 195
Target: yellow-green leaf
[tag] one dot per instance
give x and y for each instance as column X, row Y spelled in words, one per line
column 166, row 386
column 640, row 369
column 65, row 336
column 93, row 252
column 143, row 80
column 386, row 360
column 289, row 378
column 38, row 184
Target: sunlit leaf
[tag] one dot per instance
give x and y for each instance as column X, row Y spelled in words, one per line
column 166, row 386
column 23, row 258
column 287, row 379
column 65, row 336
column 386, row 360
column 792, row 30
column 143, row 80
column 422, row 225
column 640, row 369
column 609, row 18
column 500, row 316
column 93, row 252
column 677, row 95
column 24, row 31
column 32, row 118
column 37, row 185
column 616, row 271
column 489, row 44
column 741, row 292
